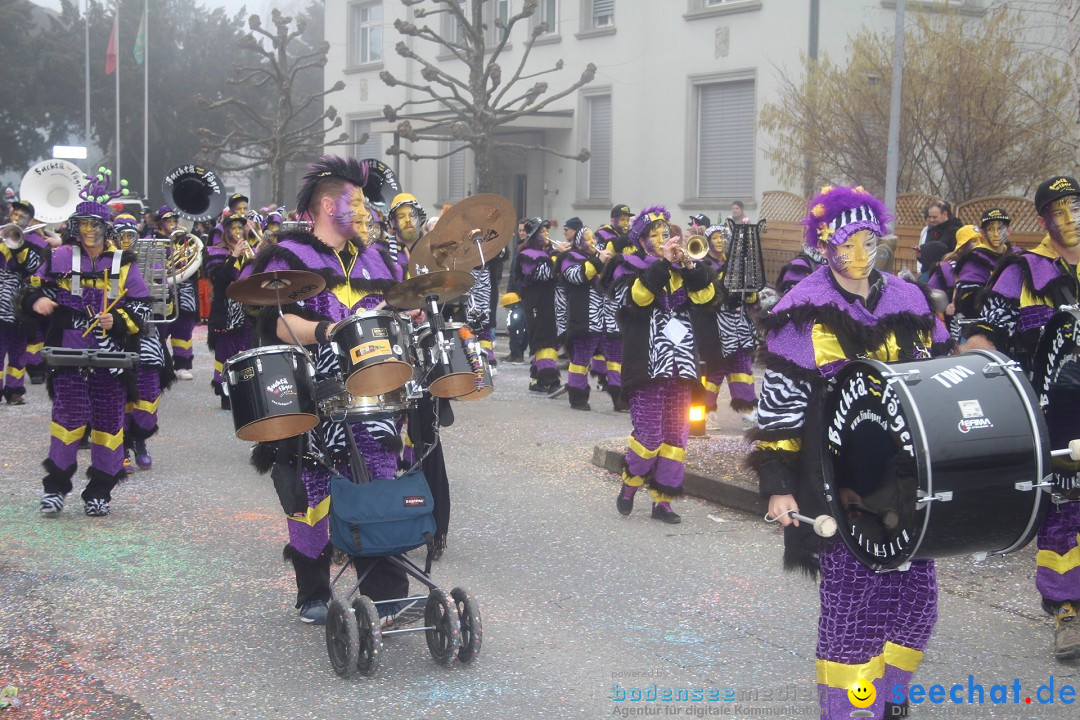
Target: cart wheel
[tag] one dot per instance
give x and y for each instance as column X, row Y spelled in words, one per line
column 472, row 629
column 342, row 638
column 370, row 645
column 444, row 630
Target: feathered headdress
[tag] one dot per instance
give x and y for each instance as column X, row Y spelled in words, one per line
column 838, row 212
column 347, row 168
column 646, row 218
column 96, row 193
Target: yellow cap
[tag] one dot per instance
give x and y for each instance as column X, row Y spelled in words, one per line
column 509, row 299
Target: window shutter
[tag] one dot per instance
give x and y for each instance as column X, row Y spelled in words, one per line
column 603, row 12
column 726, row 124
column 370, row 149
column 455, row 173
column 599, row 167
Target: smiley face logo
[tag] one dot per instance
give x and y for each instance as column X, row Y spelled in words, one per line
column 861, row 694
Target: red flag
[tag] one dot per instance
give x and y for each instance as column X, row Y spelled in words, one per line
column 110, row 56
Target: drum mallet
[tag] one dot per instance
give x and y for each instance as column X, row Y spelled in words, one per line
column 1073, row 451
column 824, row 525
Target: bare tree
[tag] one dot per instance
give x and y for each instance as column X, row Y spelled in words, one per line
column 471, row 108
column 979, row 116
column 284, row 130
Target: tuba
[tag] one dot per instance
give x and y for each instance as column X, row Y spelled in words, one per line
column 196, row 192
column 53, row 188
column 745, row 271
column 381, row 185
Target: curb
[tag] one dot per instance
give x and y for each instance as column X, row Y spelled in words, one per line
column 720, row 492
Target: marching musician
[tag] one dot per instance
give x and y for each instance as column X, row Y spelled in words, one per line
column 357, row 275
column 179, row 332
column 1025, row 291
column 406, row 218
column 19, row 259
column 228, row 331
column 533, row 274
column 975, row 260
column 22, row 214
column 660, row 359
column 95, row 299
column 615, row 241
column 806, row 262
column 579, row 269
column 873, row 627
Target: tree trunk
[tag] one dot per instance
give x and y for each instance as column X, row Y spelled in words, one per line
column 484, row 153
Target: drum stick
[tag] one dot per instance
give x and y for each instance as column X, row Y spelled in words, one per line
column 110, row 306
column 380, row 306
column 824, row 525
column 1073, row 451
column 889, row 519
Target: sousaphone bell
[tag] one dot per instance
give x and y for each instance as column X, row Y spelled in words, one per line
column 52, row 187
column 196, row 192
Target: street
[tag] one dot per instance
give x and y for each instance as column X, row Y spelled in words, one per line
column 178, row 605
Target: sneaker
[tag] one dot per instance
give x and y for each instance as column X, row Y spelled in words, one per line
column 97, row 507
column 313, row 612
column 16, row 400
column 625, row 502
column 52, row 504
column 662, row 511
column 1066, row 632
column 184, row 375
column 142, row 455
column 749, row 420
column 557, row 390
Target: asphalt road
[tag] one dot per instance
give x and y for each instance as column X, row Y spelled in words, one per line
column 178, row 605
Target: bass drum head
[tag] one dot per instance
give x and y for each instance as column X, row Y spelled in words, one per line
column 1056, row 378
column 278, row 427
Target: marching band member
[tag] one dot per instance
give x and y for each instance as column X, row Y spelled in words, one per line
column 975, row 261
column 660, row 358
column 873, row 627
column 533, row 274
column 357, row 275
column 579, row 270
column 618, row 244
column 228, row 331
column 19, row 259
column 22, row 214
column 86, row 287
column 1025, row 291
column 406, row 218
column 806, row 262
column 179, row 332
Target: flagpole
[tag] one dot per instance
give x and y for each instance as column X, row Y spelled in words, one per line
column 86, row 18
column 146, row 99
column 117, row 21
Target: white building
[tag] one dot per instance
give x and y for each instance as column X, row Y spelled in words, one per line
column 670, row 117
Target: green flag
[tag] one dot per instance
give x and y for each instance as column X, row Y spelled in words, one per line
column 140, row 40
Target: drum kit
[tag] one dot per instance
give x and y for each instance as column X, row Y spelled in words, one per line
column 387, row 362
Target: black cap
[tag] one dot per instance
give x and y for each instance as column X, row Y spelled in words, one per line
column 231, row 218
column 1053, row 189
column 998, row 214
column 620, row 210
column 237, row 197
column 702, row 220
column 574, row 223
column 24, row 206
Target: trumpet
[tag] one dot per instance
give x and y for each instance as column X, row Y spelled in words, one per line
column 693, row 248
column 14, row 236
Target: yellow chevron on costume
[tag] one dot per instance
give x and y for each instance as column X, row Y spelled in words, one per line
column 487, row 344
column 1060, row 564
column 109, row 440
column 577, row 369
column 640, row 450
column 741, row 378
column 842, row 675
column 640, row 294
column 547, row 354
column 183, row 344
column 408, row 440
column 66, row 436
column 34, row 347
column 590, row 271
column 614, row 366
column 788, row 445
column 218, row 366
column 147, row 406
column 315, row 514
column 671, row 452
column 827, row 348
column 132, row 328
column 659, row 497
column 674, row 280
column 348, row 295
column 902, row 657
column 632, row 480
column 128, row 406
column 710, row 386
column 15, row 372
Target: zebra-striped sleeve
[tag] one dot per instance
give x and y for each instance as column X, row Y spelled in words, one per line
column 783, row 401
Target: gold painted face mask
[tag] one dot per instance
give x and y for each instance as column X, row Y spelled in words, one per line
column 91, row 231
column 854, row 259
column 659, row 233
column 995, row 233
column 1062, row 223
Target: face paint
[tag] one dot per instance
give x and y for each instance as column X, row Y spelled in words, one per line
column 855, row 258
column 91, row 231
column 407, row 223
column 995, row 233
column 1062, row 221
column 273, row 227
column 351, row 217
column 658, row 234
column 622, row 224
column 236, row 232
column 717, row 242
column 168, row 225
column 126, row 237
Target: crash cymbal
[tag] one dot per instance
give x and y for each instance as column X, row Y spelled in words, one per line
column 277, row 287
column 479, row 224
column 444, row 285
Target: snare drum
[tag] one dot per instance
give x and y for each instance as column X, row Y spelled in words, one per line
column 272, row 393
column 373, row 349
column 486, row 386
column 943, row 457
column 452, row 379
column 352, row 408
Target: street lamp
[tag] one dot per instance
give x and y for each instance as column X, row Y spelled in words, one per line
column 69, row 152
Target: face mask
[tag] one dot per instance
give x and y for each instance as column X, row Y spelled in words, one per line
column 91, row 231
column 996, row 233
column 1062, row 223
column 855, row 258
column 659, row 233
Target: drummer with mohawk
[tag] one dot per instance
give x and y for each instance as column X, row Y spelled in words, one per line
column 873, row 627
column 339, row 249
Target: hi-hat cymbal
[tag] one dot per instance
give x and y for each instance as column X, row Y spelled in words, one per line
column 277, row 287
column 444, row 285
column 467, row 235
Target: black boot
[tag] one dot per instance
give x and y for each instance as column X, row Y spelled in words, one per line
column 625, row 502
column 312, row 579
column 662, row 511
column 617, row 401
column 579, row 399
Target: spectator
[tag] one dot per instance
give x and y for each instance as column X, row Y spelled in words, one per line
column 943, row 225
column 737, row 212
column 932, row 253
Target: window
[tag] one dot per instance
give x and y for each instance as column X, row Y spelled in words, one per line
column 501, row 10
column 548, row 14
column 455, row 173
column 603, row 13
column 598, row 168
column 365, row 33
column 726, row 115
column 372, row 147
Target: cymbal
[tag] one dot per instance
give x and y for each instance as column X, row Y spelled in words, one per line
column 478, row 224
column 444, row 285
column 277, row 287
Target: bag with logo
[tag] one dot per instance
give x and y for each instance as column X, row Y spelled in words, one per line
column 385, row 517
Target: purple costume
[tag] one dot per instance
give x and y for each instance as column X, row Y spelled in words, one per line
column 16, row 266
column 228, row 331
column 533, row 274
column 797, row 268
column 727, row 342
column 578, row 273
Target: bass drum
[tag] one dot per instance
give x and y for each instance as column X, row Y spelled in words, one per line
column 272, row 393
column 934, row 458
column 1056, row 379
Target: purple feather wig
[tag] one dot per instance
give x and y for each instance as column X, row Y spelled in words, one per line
column 642, row 222
column 838, row 212
column 330, row 166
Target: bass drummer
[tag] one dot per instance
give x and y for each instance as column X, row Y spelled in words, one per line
column 357, row 276
column 873, row 627
column 1024, row 292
